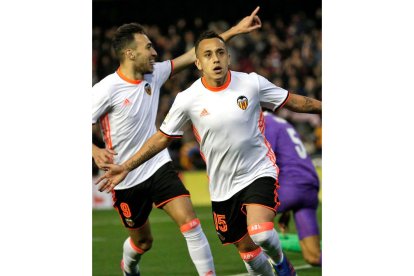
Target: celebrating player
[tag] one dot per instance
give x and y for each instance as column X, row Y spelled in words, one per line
column 225, row 109
column 125, row 103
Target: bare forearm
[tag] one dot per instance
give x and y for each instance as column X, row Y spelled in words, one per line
column 230, row 33
column 303, row 104
column 152, row 147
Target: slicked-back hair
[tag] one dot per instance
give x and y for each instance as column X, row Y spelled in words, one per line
column 124, row 35
column 207, row 35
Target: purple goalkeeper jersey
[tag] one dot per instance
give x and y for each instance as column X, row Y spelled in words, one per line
column 296, row 167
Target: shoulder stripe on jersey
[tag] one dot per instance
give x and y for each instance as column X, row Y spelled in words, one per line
column 122, row 76
column 171, row 136
column 220, row 88
column 172, row 68
column 198, row 138
column 284, row 102
column 270, row 154
column 106, row 129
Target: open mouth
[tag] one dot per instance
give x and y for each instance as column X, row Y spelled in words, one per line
column 217, row 69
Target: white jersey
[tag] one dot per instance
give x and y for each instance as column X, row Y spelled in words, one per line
column 127, row 110
column 229, row 125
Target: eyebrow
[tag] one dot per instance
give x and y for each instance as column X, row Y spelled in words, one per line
column 215, row 50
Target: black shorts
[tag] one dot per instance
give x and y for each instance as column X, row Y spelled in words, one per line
column 230, row 215
column 135, row 204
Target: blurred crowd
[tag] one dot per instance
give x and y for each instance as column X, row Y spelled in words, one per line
column 287, row 52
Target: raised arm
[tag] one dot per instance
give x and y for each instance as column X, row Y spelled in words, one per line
column 116, row 173
column 246, row 25
column 303, row 104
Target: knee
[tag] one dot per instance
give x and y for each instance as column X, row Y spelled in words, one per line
column 144, row 244
column 312, row 258
column 246, row 245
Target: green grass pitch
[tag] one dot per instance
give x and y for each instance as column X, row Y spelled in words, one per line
column 169, row 255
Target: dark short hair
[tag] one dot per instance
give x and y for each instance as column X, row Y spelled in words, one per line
column 124, row 35
column 207, row 35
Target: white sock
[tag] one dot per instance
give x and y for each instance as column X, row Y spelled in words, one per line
column 198, row 248
column 131, row 256
column 265, row 236
column 256, row 263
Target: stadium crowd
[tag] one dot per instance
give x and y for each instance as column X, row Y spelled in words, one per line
column 287, row 52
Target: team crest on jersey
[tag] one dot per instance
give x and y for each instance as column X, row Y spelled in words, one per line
column 242, row 102
column 147, row 88
column 130, row 222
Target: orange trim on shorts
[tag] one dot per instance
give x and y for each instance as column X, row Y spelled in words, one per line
column 136, row 248
column 250, row 256
column 260, row 227
column 270, row 208
column 227, row 243
column 190, row 225
column 168, row 200
column 122, row 76
column 217, row 89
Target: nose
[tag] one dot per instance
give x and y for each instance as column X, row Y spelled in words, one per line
column 153, row 52
column 215, row 58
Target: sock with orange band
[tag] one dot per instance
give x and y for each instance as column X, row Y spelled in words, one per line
column 265, row 236
column 131, row 257
column 256, row 262
column 198, row 247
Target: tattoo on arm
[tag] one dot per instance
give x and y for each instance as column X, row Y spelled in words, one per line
column 148, row 154
column 305, row 104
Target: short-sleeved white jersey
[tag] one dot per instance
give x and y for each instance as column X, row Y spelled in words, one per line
column 229, row 125
column 126, row 110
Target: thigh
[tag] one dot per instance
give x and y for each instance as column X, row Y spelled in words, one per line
column 297, row 197
column 133, row 205
column 180, row 210
column 167, row 186
column 260, row 200
column 229, row 220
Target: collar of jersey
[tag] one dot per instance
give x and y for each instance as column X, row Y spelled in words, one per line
column 122, row 76
column 220, row 88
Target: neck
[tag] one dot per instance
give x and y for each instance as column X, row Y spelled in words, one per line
column 217, row 82
column 129, row 71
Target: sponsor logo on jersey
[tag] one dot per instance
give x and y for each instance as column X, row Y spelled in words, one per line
column 242, row 102
column 147, row 88
column 204, row 112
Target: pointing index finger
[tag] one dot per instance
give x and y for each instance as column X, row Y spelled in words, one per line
column 255, row 11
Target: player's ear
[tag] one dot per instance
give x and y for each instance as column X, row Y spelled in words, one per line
column 198, row 64
column 129, row 54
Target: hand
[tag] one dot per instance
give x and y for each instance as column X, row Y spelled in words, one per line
column 102, row 157
column 283, row 222
column 113, row 176
column 249, row 23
